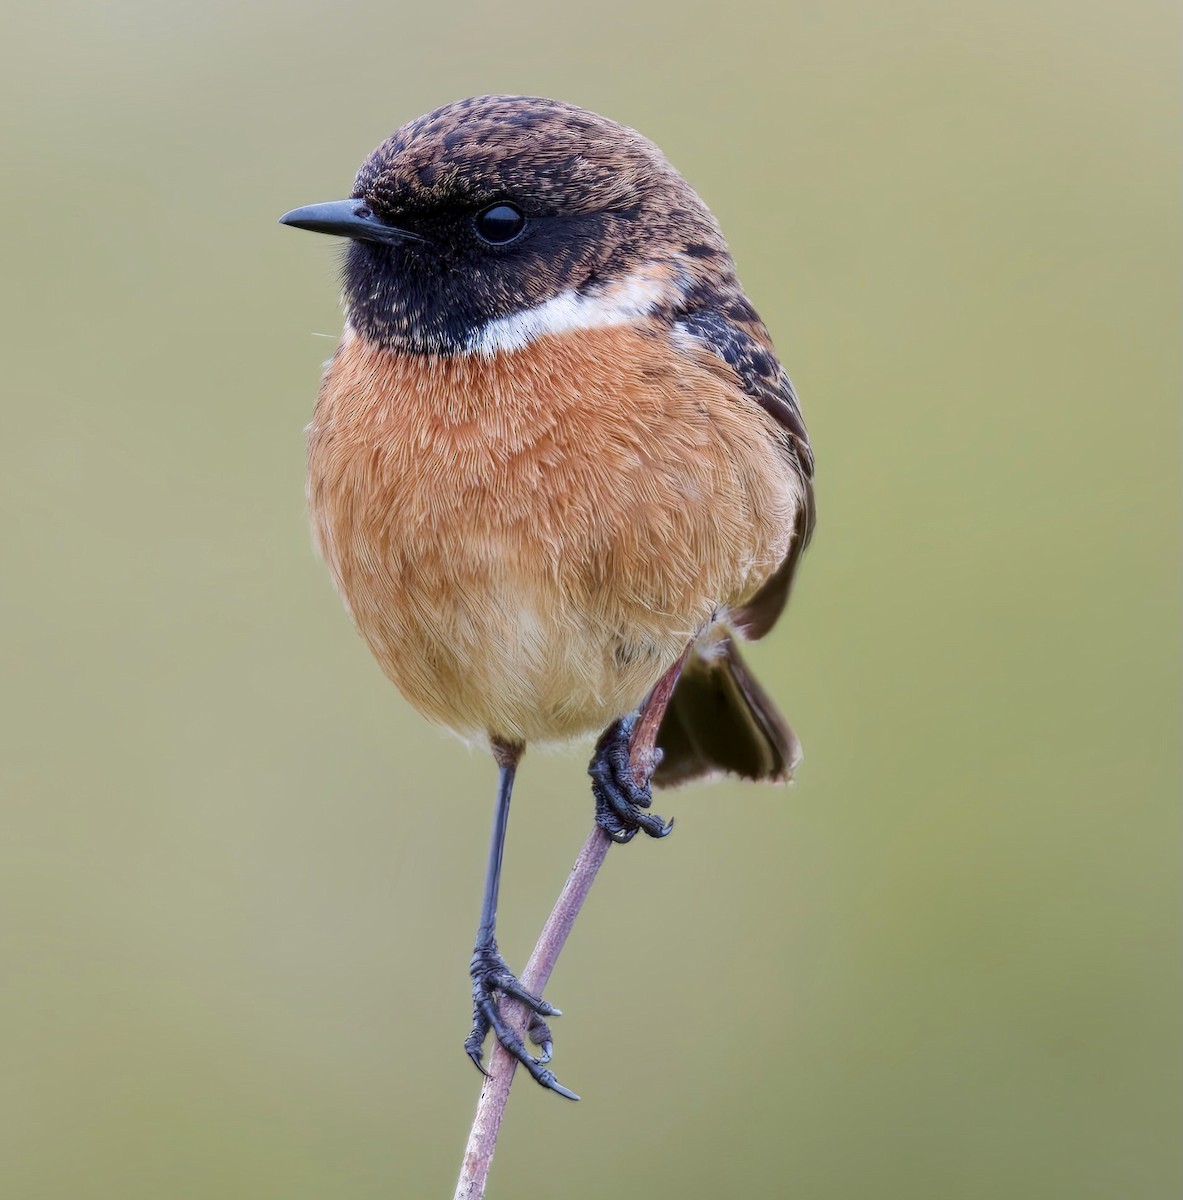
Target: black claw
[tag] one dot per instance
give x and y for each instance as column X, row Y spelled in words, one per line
column 622, row 800
column 538, row 1031
column 491, row 976
column 508, row 985
column 474, row 1044
column 556, row 1086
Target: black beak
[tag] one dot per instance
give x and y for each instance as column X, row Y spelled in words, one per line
column 347, row 218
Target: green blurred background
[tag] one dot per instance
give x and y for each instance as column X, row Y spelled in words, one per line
column 241, row 876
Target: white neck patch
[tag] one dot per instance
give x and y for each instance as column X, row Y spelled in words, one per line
column 618, row 304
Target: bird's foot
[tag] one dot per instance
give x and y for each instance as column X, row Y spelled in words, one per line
column 622, row 800
column 490, row 978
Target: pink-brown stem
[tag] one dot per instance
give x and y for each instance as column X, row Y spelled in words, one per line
column 490, row 1109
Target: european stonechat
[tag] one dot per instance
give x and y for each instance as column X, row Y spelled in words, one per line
column 555, row 467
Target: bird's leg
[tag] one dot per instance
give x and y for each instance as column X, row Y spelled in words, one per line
column 621, row 782
column 490, row 974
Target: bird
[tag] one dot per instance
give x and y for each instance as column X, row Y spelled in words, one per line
column 556, row 469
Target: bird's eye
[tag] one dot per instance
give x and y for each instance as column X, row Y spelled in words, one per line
column 499, row 224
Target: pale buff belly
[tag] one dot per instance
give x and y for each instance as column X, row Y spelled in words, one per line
column 486, row 649
column 526, row 558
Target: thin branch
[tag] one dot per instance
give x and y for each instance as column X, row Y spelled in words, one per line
column 482, row 1141
column 490, row 1109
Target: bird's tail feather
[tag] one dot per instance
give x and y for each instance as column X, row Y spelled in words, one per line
column 720, row 720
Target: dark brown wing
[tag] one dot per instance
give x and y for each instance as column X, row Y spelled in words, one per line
column 719, row 719
column 742, row 342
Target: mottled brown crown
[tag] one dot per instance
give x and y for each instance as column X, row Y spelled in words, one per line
column 560, row 158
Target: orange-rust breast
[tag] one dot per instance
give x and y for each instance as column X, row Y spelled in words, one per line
column 528, row 540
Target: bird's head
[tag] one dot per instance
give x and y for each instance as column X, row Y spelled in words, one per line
column 498, row 219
